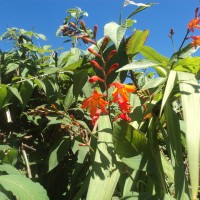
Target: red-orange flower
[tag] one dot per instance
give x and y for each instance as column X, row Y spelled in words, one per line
column 124, row 106
column 94, row 102
column 122, row 90
column 196, row 41
column 194, row 23
column 123, row 116
column 94, row 79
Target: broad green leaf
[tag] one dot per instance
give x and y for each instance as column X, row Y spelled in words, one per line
column 185, row 52
column 129, row 144
column 9, row 169
column 69, row 98
column 115, row 32
column 105, row 173
column 153, row 83
column 26, row 90
column 16, row 93
column 151, row 54
column 136, row 42
column 163, row 72
column 139, row 196
column 168, row 89
column 79, row 79
column 40, row 84
column 23, row 188
column 8, row 155
column 3, row 95
column 138, row 64
column 189, row 64
column 3, row 196
column 190, row 96
column 58, row 152
column 11, row 67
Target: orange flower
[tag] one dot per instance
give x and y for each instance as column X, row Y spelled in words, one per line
column 124, row 106
column 194, row 23
column 122, row 90
column 94, row 102
column 196, row 41
column 123, row 116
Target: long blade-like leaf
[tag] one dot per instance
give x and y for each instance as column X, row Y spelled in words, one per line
column 105, row 173
column 190, row 96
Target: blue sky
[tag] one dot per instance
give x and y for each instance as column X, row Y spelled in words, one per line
column 45, row 16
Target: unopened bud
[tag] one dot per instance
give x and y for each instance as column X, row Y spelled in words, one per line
column 73, row 25
column 83, row 26
column 86, row 40
column 104, row 43
column 110, row 55
column 96, row 64
column 95, row 31
column 94, row 52
column 112, row 68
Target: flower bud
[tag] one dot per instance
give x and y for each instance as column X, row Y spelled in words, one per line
column 104, row 43
column 94, row 79
column 95, row 31
column 112, row 68
column 96, row 64
column 94, row 52
column 110, row 55
column 83, row 26
column 86, row 40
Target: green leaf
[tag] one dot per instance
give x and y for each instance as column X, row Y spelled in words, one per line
column 168, row 89
column 26, row 90
column 151, row 54
column 190, row 96
column 163, row 72
column 3, row 95
column 40, row 84
column 129, row 144
column 115, row 32
column 105, row 173
column 23, row 188
column 8, row 155
column 58, row 152
column 185, row 52
column 79, row 79
column 9, row 169
column 69, row 98
column 139, row 196
column 136, row 42
column 16, row 93
column 11, row 67
column 153, row 83
column 3, row 196
column 174, row 134
column 189, row 64
column 138, row 64
column 140, row 9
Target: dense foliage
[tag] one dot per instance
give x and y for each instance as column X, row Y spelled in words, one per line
column 115, row 121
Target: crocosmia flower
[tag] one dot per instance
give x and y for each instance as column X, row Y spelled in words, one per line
column 124, row 106
column 95, row 102
column 194, row 23
column 123, row 116
column 196, row 41
column 122, row 91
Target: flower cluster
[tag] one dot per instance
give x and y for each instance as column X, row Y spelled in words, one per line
column 99, row 103
column 192, row 25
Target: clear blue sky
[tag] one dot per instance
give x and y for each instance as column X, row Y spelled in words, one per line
column 45, row 16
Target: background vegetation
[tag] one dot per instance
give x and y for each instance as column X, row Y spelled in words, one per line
column 53, row 148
